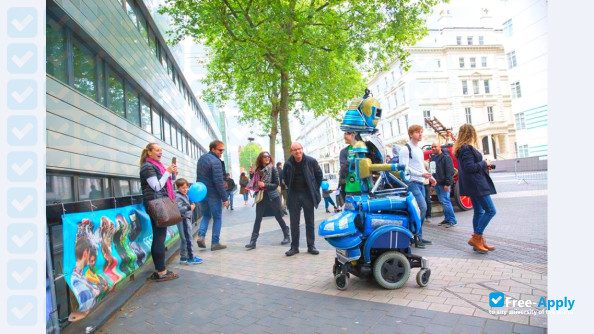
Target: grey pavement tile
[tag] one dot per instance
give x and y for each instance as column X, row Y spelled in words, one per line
column 414, row 320
column 303, row 329
column 438, row 329
column 425, row 313
column 466, row 329
column 401, row 311
column 497, row 327
column 329, row 329
column 408, row 329
column 231, row 328
column 525, row 329
column 445, row 319
column 472, row 321
column 381, row 329
column 253, row 329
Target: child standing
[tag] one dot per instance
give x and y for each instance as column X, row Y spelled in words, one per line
column 185, row 226
column 327, row 199
column 339, row 202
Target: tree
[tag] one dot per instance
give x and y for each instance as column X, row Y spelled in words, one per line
column 309, row 53
column 248, row 155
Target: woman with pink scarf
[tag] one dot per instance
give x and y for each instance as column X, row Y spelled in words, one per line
column 156, row 182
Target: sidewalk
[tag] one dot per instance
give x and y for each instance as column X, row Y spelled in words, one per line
column 262, row 290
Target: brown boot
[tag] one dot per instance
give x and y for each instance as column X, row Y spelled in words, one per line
column 489, row 248
column 476, row 244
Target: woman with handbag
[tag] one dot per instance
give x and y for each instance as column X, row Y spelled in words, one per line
column 156, row 182
column 265, row 183
column 474, row 181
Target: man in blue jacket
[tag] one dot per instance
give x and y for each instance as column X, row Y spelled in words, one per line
column 210, row 172
column 303, row 176
column 444, row 175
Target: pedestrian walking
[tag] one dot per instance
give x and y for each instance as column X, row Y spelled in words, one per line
column 327, row 198
column 156, row 182
column 303, row 176
column 266, row 181
column 186, row 252
column 444, row 176
column 474, row 181
column 210, row 172
column 411, row 154
column 230, row 187
column 243, row 182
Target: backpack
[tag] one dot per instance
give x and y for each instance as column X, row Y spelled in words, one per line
column 409, row 151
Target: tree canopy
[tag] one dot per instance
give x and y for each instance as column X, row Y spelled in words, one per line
column 278, row 56
column 248, row 155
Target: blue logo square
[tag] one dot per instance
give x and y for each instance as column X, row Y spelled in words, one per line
column 22, row 58
column 21, row 238
column 22, row 166
column 21, row 22
column 21, row 310
column 21, row 202
column 21, row 274
column 22, row 94
column 496, row 299
column 21, row 130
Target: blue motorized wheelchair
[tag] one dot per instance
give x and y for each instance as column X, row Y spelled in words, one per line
column 373, row 234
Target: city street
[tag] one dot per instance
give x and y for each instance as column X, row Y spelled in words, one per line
column 264, row 291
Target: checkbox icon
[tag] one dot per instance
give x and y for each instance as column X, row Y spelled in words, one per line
column 22, row 310
column 21, row 238
column 21, row 130
column 22, row 166
column 21, row 274
column 22, row 94
column 22, row 22
column 21, row 202
column 496, row 299
column 22, row 58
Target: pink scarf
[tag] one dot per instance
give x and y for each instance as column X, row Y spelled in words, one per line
column 162, row 169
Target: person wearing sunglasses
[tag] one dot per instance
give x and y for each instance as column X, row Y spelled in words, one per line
column 211, row 173
column 266, row 180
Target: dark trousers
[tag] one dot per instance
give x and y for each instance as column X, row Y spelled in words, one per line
column 428, row 200
column 275, row 205
column 297, row 201
column 158, row 246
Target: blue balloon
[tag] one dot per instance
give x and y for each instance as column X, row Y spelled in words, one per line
column 325, row 185
column 197, row 192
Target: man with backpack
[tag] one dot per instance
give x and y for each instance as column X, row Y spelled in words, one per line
column 412, row 155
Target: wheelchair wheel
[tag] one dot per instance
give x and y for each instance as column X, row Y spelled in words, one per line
column 341, row 281
column 391, row 270
column 424, row 277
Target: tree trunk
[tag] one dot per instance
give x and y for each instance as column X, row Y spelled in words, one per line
column 284, row 114
column 273, row 129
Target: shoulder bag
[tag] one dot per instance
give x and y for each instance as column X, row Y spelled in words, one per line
column 164, row 211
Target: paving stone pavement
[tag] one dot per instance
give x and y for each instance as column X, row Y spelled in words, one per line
column 263, row 291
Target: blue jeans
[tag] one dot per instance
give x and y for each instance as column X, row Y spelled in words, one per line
column 246, row 195
column 418, row 191
column 211, row 207
column 484, row 211
column 444, row 198
column 185, row 238
column 327, row 201
column 230, row 193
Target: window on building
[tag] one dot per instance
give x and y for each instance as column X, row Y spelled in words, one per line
column 58, row 189
column 129, row 5
column 142, row 25
column 461, row 60
column 511, row 59
column 459, row 40
column 166, row 131
column 152, row 41
column 515, row 90
column 392, row 128
column 464, row 87
column 472, row 62
column 55, row 52
column 100, row 81
column 520, row 121
column 135, row 188
column 396, row 100
column 475, row 86
column 487, row 88
column 426, row 115
column 406, row 121
column 484, row 61
column 85, row 74
column 121, row 187
column 523, row 151
column 163, row 57
column 132, row 107
column 398, row 126
column 438, row 63
column 508, row 28
column 490, row 114
column 481, row 40
column 90, row 188
column 468, row 113
column 403, row 95
column 469, row 39
column 157, row 124
column 145, row 116
column 115, row 100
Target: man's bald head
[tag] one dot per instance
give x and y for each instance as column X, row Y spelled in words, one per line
column 297, row 151
column 436, row 148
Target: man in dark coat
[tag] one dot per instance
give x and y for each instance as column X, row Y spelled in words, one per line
column 210, row 172
column 444, row 175
column 303, row 176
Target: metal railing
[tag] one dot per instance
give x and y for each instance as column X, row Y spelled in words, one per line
column 530, row 169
